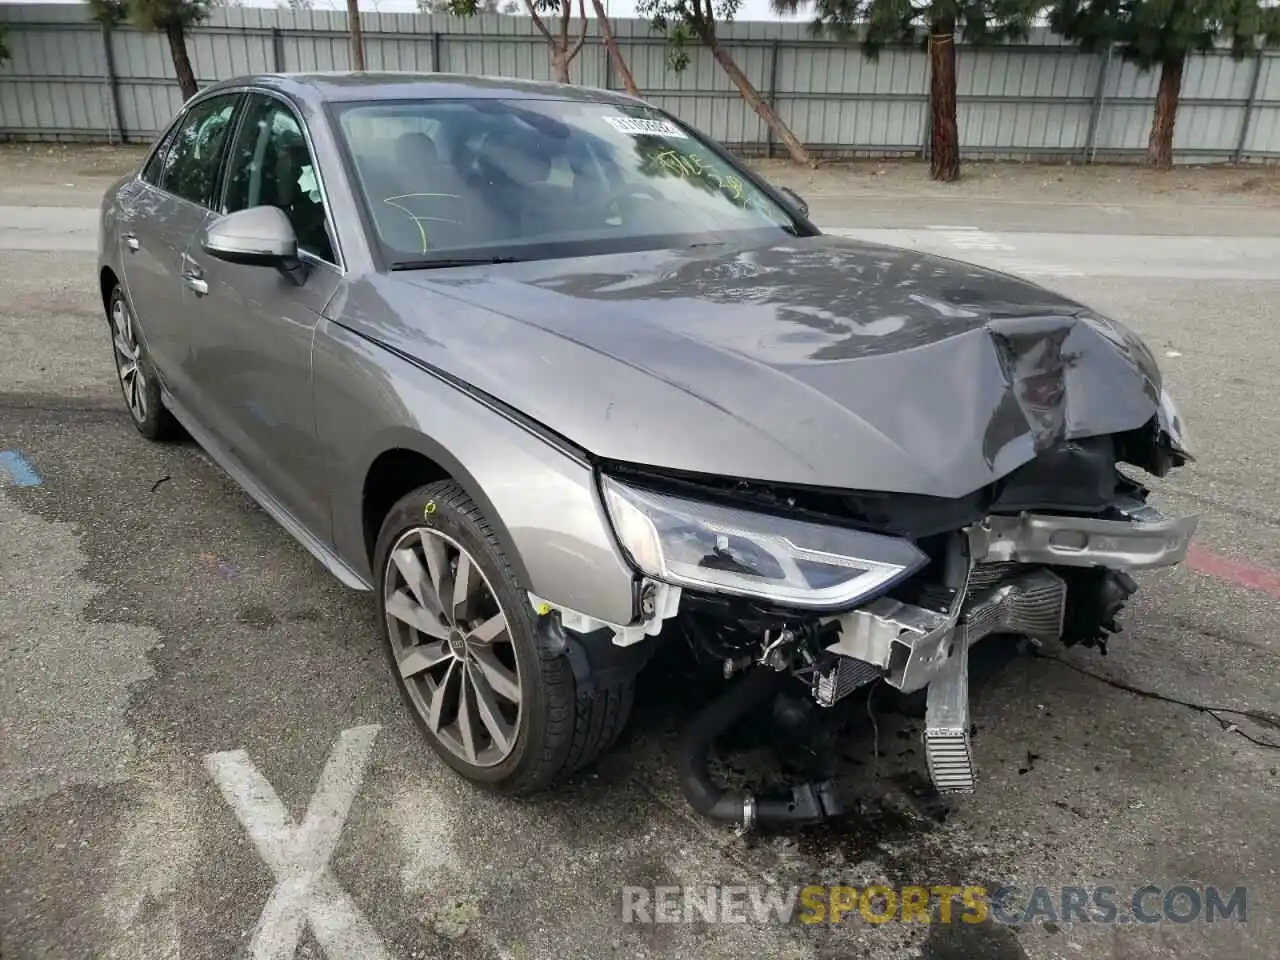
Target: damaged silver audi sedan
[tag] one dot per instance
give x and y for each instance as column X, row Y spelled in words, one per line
column 561, row 382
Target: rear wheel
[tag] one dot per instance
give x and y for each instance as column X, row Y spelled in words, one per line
column 462, row 641
column 137, row 377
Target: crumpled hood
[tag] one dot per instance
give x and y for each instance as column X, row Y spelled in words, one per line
column 819, row 361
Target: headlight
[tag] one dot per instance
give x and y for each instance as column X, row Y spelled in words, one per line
column 1171, row 423
column 710, row 547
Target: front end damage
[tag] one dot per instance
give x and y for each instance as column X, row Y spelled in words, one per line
column 1045, row 554
column 1046, row 578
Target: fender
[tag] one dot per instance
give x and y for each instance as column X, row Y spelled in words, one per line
column 406, row 438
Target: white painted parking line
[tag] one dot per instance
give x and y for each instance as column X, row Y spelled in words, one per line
column 305, row 891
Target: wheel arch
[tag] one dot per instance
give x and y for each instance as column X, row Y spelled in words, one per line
column 403, row 459
column 107, row 281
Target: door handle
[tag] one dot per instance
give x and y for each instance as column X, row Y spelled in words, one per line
column 131, row 241
column 193, row 276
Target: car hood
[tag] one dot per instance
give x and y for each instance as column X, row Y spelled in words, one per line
column 819, row 360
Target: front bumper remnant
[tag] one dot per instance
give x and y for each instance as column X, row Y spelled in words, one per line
column 1006, row 587
column 911, row 645
column 1144, row 541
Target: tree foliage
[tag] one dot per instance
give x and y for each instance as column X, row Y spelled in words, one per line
column 688, row 22
column 482, row 6
column 563, row 49
column 880, row 23
column 152, row 14
column 935, row 25
column 110, row 12
column 1161, row 34
column 171, row 17
column 1147, row 33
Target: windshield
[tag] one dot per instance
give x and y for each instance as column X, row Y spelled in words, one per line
column 478, row 180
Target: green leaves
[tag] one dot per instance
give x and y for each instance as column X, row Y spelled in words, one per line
column 685, row 23
column 110, row 12
column 468, row 8
column 1148, row 33
column 880, row 23
column 150, row 14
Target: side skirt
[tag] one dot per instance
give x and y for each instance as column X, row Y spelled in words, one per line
column 237, row 471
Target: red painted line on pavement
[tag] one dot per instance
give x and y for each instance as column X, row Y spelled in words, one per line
column 1234, row 571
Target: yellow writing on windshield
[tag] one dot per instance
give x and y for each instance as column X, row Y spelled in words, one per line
column 684, row 165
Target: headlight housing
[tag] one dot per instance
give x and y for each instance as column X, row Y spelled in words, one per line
column 726, row 550
column 1174, row 427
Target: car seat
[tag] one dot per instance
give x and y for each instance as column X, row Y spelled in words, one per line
column 301, row 201
column 429, row 191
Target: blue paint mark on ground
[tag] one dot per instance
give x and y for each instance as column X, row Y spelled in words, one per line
column 13, row 463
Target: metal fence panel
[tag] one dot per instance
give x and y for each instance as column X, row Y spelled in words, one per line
column 1039, row 98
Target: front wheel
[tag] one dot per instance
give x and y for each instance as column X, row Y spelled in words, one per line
column 461, row 638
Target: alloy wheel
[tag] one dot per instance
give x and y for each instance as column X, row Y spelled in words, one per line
column 450, row 640
column 128, row 356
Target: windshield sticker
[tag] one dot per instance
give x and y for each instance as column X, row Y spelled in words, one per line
column 307, row 183
column 638, row 126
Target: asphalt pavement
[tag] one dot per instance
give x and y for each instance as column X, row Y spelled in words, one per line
column 195, row 715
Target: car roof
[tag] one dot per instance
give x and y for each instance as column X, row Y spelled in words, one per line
column 337, row 86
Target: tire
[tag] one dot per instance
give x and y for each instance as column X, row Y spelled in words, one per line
column 554, row 730
column 138, row 381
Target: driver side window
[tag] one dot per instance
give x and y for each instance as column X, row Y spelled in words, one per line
column 270, row 165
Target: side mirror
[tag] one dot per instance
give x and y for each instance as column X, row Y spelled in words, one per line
column 259, row 236
column 797, row 201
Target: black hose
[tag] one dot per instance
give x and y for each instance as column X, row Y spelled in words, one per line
column 808, row 802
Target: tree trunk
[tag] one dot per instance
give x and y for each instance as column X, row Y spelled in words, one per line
column 357, row 37
column 944, row 132
column 615, row 55
column 1160, row 146
column 757, row 103
column 181, row 62
column 559, row 63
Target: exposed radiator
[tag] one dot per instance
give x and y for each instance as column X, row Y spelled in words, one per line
column 950, row 760
column 842, row 679
column 1032, row 604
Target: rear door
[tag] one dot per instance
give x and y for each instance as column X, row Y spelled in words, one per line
column 251, row 353
column 171, row 204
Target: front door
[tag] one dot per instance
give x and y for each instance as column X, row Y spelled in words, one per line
column 165, row 209
column 251, row 354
